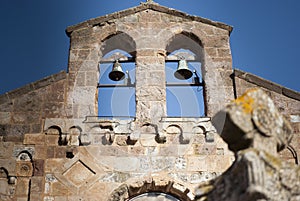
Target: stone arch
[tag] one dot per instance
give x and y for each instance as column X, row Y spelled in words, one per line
column 53, row 130
column 4, row 185
column 101, row 134
column 184, row 44
column 199, row 130
column 24, row 156
column 3, row 173
column 127, row 192
column 56, row 130
column 24, row 165
column 149, row 128
column 118, row 46
column 186, row 40
column 118, row 40
column 174, row 129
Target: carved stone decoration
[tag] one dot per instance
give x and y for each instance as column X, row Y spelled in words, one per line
column 255, row 130
column 80, row 172
column 84, row 139
column 74, row 133
column 24, row 167
column 253, row 120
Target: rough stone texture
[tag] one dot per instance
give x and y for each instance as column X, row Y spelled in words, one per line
column 288, row 105
column 54, row 147
column 252, row 126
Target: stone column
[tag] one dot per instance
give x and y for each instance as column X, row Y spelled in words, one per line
column 150, row 86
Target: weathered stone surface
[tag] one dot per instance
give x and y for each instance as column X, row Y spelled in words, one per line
column 257, row 173
column 24, row 169
column 36, row 139
column 54, row 146
column 260, row 118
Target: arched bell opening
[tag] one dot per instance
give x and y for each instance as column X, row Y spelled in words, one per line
column 116, row 86
column 184, row 61
column 154, row 196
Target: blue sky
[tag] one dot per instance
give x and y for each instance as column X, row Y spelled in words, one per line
column 265, row 39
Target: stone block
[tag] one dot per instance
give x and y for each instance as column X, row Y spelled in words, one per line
column 147, row 140
column 36, row 196
column 180, row 163
column 50, row 152
column 54, row 165
column 60, row 152
column 36, row 139
column 149, row 14
column 53, row 109
column 36, row 127
column 204, row 149
column 51, row 140
column 56, row 92
column 36, row 185
column 28, row 103
column 214, row 163
column 91, row 78
column 80, row 79
column 6, row 148
column 116, row 177
column 40, row 152
column 136, row 150
column 22, row 187
column 126, row 164
column 121, row 140
column 159, row 163
column 38, row 168
column 5, row 117
column 168, row 150
column 22, row 198
column 58, row 189
column 97, row 187
column 24, row 169
column 151, row 93
column 15, row 132
column 224, row 52
column 60, row 198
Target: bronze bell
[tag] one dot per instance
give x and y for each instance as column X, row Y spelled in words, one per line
column 117, row 73
column 183, row 72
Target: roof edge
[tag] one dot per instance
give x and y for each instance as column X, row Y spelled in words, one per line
column 267, row 84
column 32, row 86
column 141, row 7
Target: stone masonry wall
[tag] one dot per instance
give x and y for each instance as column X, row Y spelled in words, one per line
column 23, row 110
column 150, row 39
column 73, row 155
column 286, row 100
column 54, row 147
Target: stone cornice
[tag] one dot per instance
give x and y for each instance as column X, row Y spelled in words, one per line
column 32, row 86
column 142, row 7
column 261, row 82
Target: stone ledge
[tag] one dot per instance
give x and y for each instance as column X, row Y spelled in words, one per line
column 32, row 86
column 142, row 7
column 261, row 82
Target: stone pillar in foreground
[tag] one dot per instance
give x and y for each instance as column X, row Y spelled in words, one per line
column 256, row 132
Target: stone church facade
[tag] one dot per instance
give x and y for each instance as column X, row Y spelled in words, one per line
column 55, row 147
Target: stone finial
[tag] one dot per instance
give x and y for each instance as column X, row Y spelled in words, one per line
column 252, row 123
column 149, row 2
column 252, row 120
